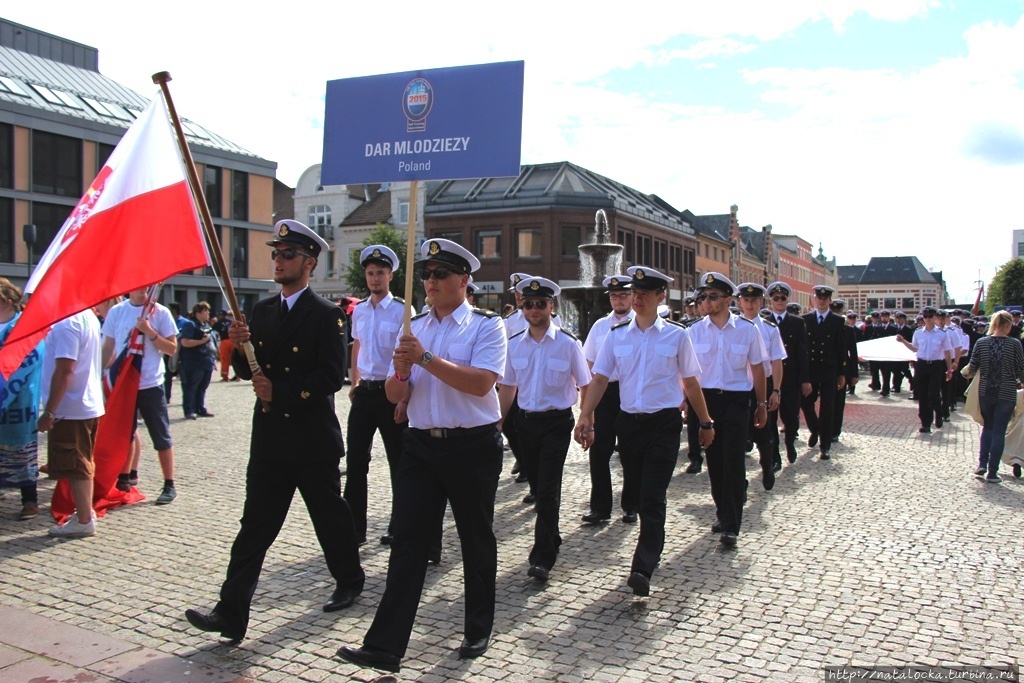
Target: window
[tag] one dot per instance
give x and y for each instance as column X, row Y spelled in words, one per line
column 908, row 302
column 625, row 238
column 1020, row 249
column 528, row 242
column 9, row 85
column 488, row 244
column 56, row 165
column 715, row 252
column 48, row 219
column 403, row 212
column 6, row 230
column 570, row 242
column 332, row 270
column 872, row 304
column 319, row 217
column 643, row 250
column 57, row 97
column 890, row 303
column 707, row 251
column 213, row 189
column 239, row 252
column 451, row 235
column 240, row 195
column 6, row 155
column 676, row 259
column 103, row 152
column 210, row 297
column 219, row 232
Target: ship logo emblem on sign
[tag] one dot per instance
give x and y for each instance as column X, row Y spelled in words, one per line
column 417, row 101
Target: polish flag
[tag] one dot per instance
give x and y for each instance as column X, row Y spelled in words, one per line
column 136, row 226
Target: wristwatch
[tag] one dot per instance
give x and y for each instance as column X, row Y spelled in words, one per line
column 427, row 357
column 710, row 424
column 763, row 403
column 47, row 413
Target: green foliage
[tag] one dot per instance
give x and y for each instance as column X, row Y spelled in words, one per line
column 1007, row 287
column 387, row 235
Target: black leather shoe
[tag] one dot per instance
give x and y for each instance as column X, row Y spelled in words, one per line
column 515, row 468
column 386, row 539
column 629, row 517
column 716, row 528
column 938, row 423
column 211, row 622
column 777, row 467
column 538, row 571
column 825, row 455
column 925, row 430
column 521, row 478
column 435, row 556
column 473, row 648
column 530, row 499
column 640, row 584
column 791, row 453
column 374, row 659
column 694, row 468
column 595, row 518
column 813, row 440
column 341, row 598
column 728, row 539
column 768, row 478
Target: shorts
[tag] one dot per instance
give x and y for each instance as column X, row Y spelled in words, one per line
column 151, row 405
column 69, row 449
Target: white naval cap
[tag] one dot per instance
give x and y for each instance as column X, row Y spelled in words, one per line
column 617, row 283
column 515, row 279
column 378, row 253
column 470, row 287
column 647, row 278
column 452, row 253
column 537, row 286
column 294, row 233
column 664, row 311
column 717, row 281
column 779, row 288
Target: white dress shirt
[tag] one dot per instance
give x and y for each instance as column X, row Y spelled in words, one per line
column 772, row 339
column 377, row 328
column 597, row 334
column 546, row 372
column 515, row 323
column 463, row 338
column 932, row 345
column 726, row 354
column 649, row 365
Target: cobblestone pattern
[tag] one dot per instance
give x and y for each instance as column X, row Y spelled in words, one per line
column 890, row 553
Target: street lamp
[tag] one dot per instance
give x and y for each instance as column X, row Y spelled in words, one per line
column 28, row 234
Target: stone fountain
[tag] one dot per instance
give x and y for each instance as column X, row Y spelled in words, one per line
column 585, row 304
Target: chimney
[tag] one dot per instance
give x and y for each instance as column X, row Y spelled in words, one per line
column 769, row 255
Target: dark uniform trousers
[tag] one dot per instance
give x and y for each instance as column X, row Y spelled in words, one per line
column 822, row 424
column 693, row 447
column 730, row 411
column 649, row 445
column 838, row 412
column 371, row 411
column 929, row 376
column 545, row 439
column 601, row 450
column 790, row 396
column 508, row 428
column 464, row 469
column 764, row 437
column 269, row 489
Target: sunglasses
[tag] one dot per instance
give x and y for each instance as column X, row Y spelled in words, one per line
column 708, row 297
column 287, row 254
column 436, row 273
column 539, row 304
column 780, row 298
column 822, row 295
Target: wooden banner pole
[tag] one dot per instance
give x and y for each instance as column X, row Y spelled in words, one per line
column 410, row 255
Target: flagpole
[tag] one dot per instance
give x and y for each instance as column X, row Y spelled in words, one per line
column 410, row 256
column 161, row 79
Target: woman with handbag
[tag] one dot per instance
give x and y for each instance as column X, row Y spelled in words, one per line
column 199, row 352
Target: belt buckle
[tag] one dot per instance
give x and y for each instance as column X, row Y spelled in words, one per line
column 437, row 432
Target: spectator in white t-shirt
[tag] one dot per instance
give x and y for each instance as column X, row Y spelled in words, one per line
column 160, row 337
column 72, row 405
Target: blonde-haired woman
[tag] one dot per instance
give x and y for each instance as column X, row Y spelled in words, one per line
column 19, row 410
column 1000, row 359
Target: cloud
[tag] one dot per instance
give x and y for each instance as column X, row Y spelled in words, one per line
column 996, row 143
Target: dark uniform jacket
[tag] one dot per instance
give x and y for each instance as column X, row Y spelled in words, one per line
column 826, row 347
column 850, row 335
column 794, row 337
column 303, row 357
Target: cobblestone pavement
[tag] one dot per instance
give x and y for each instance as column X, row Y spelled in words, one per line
column 890, row 553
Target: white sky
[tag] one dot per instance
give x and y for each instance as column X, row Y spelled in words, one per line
column 876, row 127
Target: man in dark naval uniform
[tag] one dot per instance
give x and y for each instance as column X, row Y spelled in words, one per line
column 296, row 437
column 827, row 357
column 796, row 381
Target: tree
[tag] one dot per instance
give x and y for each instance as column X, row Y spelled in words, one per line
column 384, row 234
column 1007, row 287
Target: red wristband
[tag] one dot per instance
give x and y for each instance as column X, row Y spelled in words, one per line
column 400, row 378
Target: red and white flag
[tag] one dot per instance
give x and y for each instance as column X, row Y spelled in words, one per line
column 136, row 226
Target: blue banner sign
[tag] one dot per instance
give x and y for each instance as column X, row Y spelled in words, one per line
column 436, row 124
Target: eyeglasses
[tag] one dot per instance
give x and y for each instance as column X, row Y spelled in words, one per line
column 823, row 295
column 780, row 298
column 709, row 297
column 539, row 304
column 436, row 273
column 619, row 295
column 287, row 254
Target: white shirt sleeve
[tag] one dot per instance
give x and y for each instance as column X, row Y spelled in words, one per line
column 605, row 363
column 580, row 370
column 65, row 340
column 689, row 366
column 491, row 347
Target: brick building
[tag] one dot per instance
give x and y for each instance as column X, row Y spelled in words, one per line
column 892, row 282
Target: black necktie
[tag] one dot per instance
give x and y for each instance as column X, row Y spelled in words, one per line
column 821, row 318
column 284, row 308
column 778, row 319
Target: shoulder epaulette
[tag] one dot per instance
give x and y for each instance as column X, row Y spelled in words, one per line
column 622, row 324
column 362, row 301
column 766, row 321
column 486, row 313
column 745, row 319
column 399, row 299
column 693, row 321
column 674, row 322
column 517, row 334
column 418, row 316
column 568, row 333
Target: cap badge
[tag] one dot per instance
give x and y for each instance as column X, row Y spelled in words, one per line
column 750, row 289
column 709, row 278
column 615, row 281
column 516, row 279
column 434, row 249
column 535, row 285
column 639, row 274
column 376, row 253
column 283, row 231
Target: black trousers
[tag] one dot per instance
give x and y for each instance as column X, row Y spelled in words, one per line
column 545, row 440
column 727, row 471
column 901, row 371
column 876, row 368
column 463, row 470
column 788, row 413
column 822, row 421
column 838, row 411
column 601, row 453
column 269, row 488
column 763, row 437
column 693, row 447
column 371, row 411
column 649, row 445
column 929, row 378
column 508, row 428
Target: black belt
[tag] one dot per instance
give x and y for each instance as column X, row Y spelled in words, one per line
column 640, row 417
column 932, row 361
column 455, row 432
column 547, row 414
column 724, row 392
column 372, row 384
